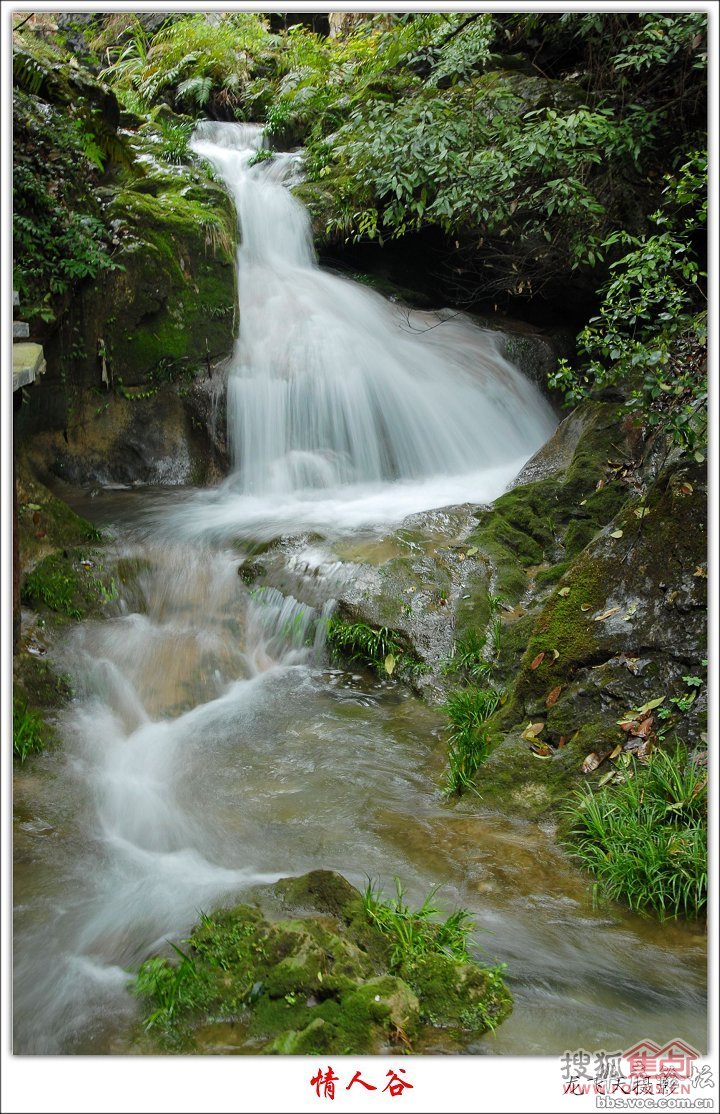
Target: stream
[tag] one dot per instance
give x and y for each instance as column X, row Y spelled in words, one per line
column 210, row 749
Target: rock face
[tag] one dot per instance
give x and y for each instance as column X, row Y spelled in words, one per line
column 170, row 434
column 134, row 362
column 581, row 593
column 317, row 977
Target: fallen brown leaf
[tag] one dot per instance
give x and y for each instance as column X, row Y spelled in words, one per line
column 538, row 660
column 552, row 696
column 643, row 730
column 591, row 763
column 532, row 731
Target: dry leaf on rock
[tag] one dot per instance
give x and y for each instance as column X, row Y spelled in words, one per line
column 606, row 614
column 552, row 696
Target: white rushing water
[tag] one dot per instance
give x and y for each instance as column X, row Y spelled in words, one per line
column 207, row 751
column 343, row 409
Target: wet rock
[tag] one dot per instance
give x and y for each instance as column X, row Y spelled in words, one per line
column 142, row 437
column 321, row 983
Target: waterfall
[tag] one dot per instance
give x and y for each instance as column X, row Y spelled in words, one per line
column 206, row 752
column 344, row 409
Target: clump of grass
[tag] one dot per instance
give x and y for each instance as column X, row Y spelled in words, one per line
column 369, row 646
column 28, row 731
column 173, row 989
column 417, row 932
column 646, row 839
column 174, row 138
column 468, row 659
column 469, row 743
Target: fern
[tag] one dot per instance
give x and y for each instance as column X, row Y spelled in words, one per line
column 196, row 88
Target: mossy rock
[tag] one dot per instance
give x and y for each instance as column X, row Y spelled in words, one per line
column 466, row 999
column 321, row 890
column 70, row 584
column 45, row 523
column 174, row 301
column 622, row 627
column 310, row 985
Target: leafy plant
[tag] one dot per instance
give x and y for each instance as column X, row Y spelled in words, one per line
column 468, row 658
column 59, row 236
column 195, row 61
column 646, row 839
column 469, row 742
column 651, row 330
column 28, row 731
column 359, row 642
column 175, row 137
column 173, row 989
column 417, row 932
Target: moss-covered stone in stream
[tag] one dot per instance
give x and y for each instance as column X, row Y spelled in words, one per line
column 458, row 997
column 72, row 584
column 320, row 982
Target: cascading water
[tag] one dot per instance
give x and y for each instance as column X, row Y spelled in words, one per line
column 206, row 753
column 344, row 410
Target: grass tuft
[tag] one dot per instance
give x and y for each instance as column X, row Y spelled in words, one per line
column 467, row 710
column 646, row 839
column 28, row 731
column 417, row 932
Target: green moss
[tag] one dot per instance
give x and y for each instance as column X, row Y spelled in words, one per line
column 306, row 986
column 44, row 521
column 553, row 574
column 70, row 584
column 565, row 633
column 175, row 299
column 322, row 890
column 470, row 997
column 514, row 779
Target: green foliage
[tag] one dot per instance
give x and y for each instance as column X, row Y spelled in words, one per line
column 469, row 743
column 173, row 989
column 55, row 589
column 28, row 731
column 59, row 235
column 66, row 583
column 651, row 330
column 468, row 660
column 174, row 138
column 417, row 932
column 197, row 63
column 646, row 839
column 359, row 642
